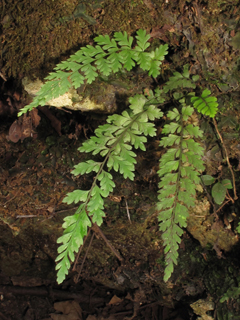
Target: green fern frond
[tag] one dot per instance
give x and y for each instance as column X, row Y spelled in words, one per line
column 114, row 141
column 181, row 80
column 206, row 104
column 179, row 171
column 109, row 55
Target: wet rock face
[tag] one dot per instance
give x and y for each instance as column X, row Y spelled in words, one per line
column 203, row 228
column 99, row 97
column 201, row 307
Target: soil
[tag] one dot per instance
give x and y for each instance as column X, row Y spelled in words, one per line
column 127, row 267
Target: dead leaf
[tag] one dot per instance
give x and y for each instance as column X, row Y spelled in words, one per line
column 70, row 311
column 232, row 33
column 218, row 251
column 159, row 34
column 26, row 127
column 35, row 117
column 17, row 95
column 15, row 131
column 129, row 297
column 115, row 300
column 168, row 27
column 50, row 209
column 71, row 136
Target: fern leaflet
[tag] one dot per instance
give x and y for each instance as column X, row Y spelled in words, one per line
column 206, row 104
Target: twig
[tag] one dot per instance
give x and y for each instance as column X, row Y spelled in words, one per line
column 27, row 216
column 228, row 162
column 226, row 202
column 12, row 198
column 96, row 229
column 65, row 210
column 199, row 17
column 43, row 291
column 37, row 216
column 80, row 250
column 128, row 214
column 2, row 76
column 84, row 258
column 229, row 197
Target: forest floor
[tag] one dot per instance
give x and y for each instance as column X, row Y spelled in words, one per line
column 119, row 273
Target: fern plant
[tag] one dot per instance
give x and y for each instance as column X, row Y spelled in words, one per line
column 116, row 140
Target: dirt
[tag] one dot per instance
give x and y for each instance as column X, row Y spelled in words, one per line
column 35, row 177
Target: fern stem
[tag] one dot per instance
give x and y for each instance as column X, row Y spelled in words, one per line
column 96, row 177
column 180, row 157
column 179, row 172
column 84, row 258
column 80, row 250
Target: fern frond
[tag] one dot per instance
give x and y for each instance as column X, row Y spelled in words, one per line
column 206, row 104
column 109, row 55
column 180, row 80
column 179, row 171
column 114, row 141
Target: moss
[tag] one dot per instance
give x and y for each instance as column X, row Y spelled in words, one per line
column 36, row 37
